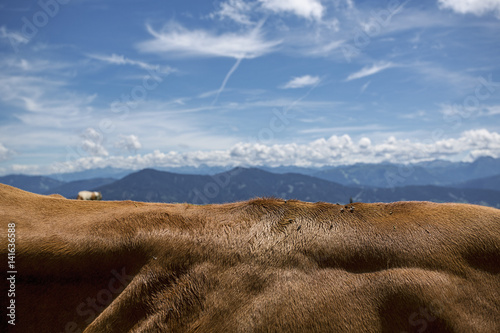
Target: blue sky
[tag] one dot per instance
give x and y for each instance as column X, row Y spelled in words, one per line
column 135, row 84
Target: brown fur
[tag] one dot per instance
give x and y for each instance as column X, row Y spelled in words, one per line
column 260, row 265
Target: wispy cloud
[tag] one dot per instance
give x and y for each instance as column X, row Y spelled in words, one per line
column 5, row 153
column 459, row 81
column 466, row 112
column 116, row 59
column 42, row 96
column 370, row 70
column 343, row 129
column 13, row 37
column 363, row 88
column 323, row 49
column 176, row 40
column 493, row 110
column 420, row 114
column 32, row 66
column 302, row 81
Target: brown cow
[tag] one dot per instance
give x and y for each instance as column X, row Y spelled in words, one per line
column 264, row 265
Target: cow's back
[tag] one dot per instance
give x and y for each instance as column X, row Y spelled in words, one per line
column 261, row 265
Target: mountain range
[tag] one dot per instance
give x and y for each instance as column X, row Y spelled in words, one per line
column 438, row 181
column 386, row 175
column 242, row 184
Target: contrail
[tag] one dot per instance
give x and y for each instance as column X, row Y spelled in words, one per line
column 238, row 61
column 228, row 75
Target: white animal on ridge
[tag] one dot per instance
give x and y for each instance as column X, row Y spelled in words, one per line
column 88, row 195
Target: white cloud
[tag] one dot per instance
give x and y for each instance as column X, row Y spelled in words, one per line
column 93, row 142
column 364, row 143
column 309, row 9
column 476, row 7
column 129, row 143
column 174, row 39
column 336, row 150
column 302, row 81
column 236, row 10
column 94, row 148
column 240, row 11
column 367, row 71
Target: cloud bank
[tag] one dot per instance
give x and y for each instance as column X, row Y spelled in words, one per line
column 335, row 150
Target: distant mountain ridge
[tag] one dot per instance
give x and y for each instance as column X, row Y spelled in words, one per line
column 386, row 175
column 70, row 190
column 431, row 181
column 488, row 183
column 47, row 185
column 234, row 185
column 35, row 184
column 243, row 184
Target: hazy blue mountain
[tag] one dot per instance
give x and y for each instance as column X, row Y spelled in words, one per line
column 200, row 170
column 455, row 173
column 490, row 183
column 47, row 185
column 293, row 169
column 379, row 175
column 154, row 186
column 234, row 185
column 431, row 193
column 387, row 175
column 107, row 172
column 35, row 184
column 243, row 184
